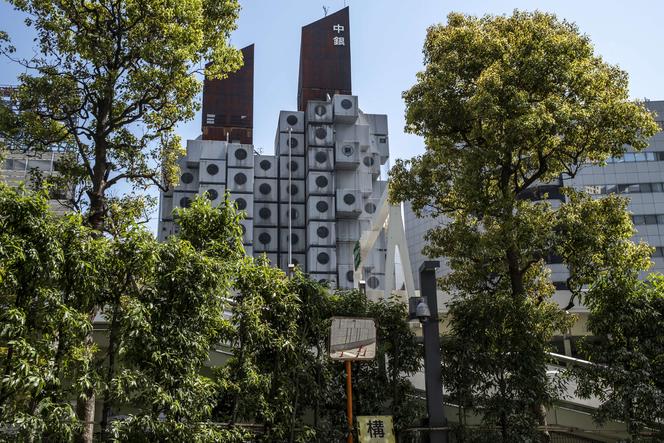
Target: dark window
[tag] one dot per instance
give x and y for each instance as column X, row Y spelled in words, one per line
column 323, row 258
column 321, row 181
column 292, row 143
column 265, row 165
column 321, row 133
column 321, row 157
column 293, row 165
column 241, row 204
column 370, row 208
column 347, row 150
column 322, row 206
column 373, row 282
column 241, row 154
column 264, row 238
column 187, row 178
column 349, row 199
column 212, row 169
column 292, row 190
column 322, row 232
column 294, row 239
column 291, row 120
column 212, row 194
column 346, row 104
column 368, row 161
column 185, row 202
column 265, row 188
column 240, row 178
column 293, row 214
column 350, row 276
column 320, row 110
column 265, row 213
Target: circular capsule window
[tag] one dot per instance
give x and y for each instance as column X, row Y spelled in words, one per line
column 264, row 213
column 321, row 133
column 350, row 276
column 294, row 239
column 292, row 189
column 368, row 161
column 187, row 178
column 212, row 194
column 265, row 188
column 320, row 110
column 185, row 202
column 370, row 208
column 293, row 166
column 292, row 143
column 346, row 104
column 291, row 120
column 241, row 204
column 240, row 178
column 212, row 169
column 321, row 181
column 265, row 165
column 348, row 150
column 322, row 232
column 349, row 199
column 373, row 282
column 264, row 238
column 323, row 258
column 320, row 157
column 241, row 154
column 322, row 206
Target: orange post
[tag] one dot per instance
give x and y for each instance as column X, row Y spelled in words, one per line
column 349, row 402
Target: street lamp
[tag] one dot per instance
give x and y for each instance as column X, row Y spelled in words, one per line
column 427, row 313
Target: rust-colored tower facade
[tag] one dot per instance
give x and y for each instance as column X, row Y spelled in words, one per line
column 325, row 59
column 228, row 104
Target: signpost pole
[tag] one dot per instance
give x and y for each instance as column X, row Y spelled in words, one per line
column 349, row 402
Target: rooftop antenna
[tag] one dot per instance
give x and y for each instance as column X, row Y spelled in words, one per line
column 325, row 8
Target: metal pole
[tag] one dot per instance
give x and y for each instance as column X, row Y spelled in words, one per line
column 349, row 402
column 290, row 198
column 432, row 363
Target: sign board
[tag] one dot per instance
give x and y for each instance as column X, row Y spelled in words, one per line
column 357, row 259
column 353, row 338
column 375, row 429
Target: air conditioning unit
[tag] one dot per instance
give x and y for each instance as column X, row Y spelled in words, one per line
column 294, row 144
column 244, row 202
column 266, row 239
column 266, row 214
column 240, row 180
column 247, row 232
column 381, row 145
column 320, row 135
column 320, row 183
column 295, row 189
column 183, row 199
column 346, row 276
column 265, row 166
column 298, row 242
column 348, row 230
column 297, row 216
column 330, row 280
column 321, row 233
column 349, row 203
column 294, row 166
column 345, row 108
column 321, row 208
column 321, row 260
column 214, row 193
column 293, row 120
column 166, row 207
column 212, row 149
column 320, row 159
column 319, row 112
column 212, row 171
column 240, row 156
column 299, row 260
column 188, row 178
column 347, row 155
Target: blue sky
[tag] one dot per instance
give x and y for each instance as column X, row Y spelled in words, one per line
column 386, row 41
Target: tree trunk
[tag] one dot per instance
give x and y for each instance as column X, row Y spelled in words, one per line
column 106, row 408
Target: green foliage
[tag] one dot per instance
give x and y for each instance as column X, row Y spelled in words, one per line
column 506, row 104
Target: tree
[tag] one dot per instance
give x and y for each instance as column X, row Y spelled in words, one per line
column 507, row 104
column 111, row 81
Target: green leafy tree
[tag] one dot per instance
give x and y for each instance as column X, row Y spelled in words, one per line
column 506, row 104
column 110, row 82
column 49, row 267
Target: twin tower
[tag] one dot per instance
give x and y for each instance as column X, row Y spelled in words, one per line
column 309, row 203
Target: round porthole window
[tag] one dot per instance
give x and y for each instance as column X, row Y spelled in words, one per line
column 322, row 232
column 347, row 150
column 321, row 157
column 292, row 143
column 321, row 133
column 187, row 178
column 320, row 110
column 264, row 238
column 292, row 190
column 185, row 202
column 294, row 239
column 264, row 213
column 212, row 169
column 291, row 120
column 368, row 161
column 265, row 165
column 241, row 204
column 349, row 199
column 293, row 166
column 321, row 181
column 350, row 276
column 265, row 188
column 241, row 154
column 212, row 194
column 293, row 214
column 346, row 104
column 370, row 208
column 240, row 178
column 322, row 206
column 373, row 282
column 323, row 258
